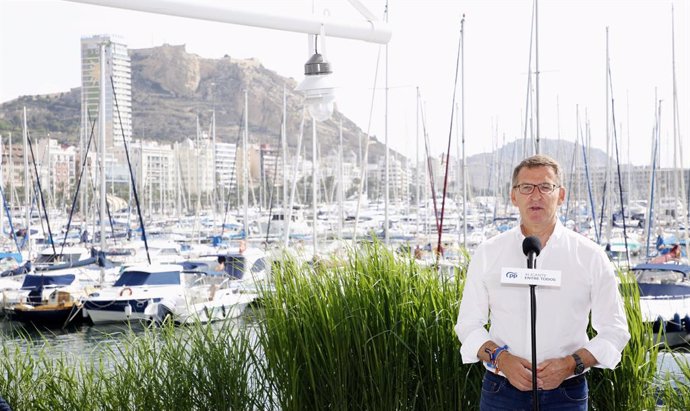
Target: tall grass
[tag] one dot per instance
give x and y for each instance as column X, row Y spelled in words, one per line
column 374, row 333
column 674, row 389
column 631, row 385
column 195, row 368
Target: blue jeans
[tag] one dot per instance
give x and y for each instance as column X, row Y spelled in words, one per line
column 4, row 406
column 498, row 394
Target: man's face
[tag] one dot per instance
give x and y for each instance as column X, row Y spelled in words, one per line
column 537, row 210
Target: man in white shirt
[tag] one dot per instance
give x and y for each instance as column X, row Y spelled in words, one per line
column 588, row 285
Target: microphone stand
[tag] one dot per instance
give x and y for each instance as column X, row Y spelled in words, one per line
column 532, row 263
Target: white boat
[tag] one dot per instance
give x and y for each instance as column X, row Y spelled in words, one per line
column 205, row 302
column 136, row 288
column 665, row 300
column 217, row 294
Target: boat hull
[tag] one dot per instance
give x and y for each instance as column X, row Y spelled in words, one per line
column 225, row 307
column 116, row 311
column 47, row 316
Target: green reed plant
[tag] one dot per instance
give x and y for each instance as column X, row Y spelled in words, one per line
column 631, row 385
column 193, row 368
column 674, row 390
column 372, row 332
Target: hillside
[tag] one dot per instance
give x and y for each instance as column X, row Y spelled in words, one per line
column 170, row 87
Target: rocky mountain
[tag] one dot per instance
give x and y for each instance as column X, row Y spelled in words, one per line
column 170, row 87
column 488, row 168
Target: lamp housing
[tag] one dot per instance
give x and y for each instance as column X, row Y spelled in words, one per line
column 318, row 87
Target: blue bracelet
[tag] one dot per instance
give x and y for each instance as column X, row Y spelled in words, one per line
column 493, row 355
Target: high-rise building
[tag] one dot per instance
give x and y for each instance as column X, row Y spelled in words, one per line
column 118, row 92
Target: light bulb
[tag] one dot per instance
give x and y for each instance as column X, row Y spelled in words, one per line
column 321, row 108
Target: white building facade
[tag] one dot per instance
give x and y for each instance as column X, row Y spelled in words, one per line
column 117, row 65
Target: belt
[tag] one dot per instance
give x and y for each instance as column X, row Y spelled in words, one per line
column 570, row 382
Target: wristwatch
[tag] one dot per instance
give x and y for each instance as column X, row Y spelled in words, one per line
column 579, row 365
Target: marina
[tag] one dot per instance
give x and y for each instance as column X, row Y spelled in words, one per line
column 202, row 230
column 248, row 355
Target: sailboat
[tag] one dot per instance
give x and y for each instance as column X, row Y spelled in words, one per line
column 47, row 299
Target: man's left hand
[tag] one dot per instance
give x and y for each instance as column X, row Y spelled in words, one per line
column 552, row 372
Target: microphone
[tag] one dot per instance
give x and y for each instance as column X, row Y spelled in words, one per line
column 531, row 247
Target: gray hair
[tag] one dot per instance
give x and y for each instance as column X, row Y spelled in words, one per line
column 539, row 160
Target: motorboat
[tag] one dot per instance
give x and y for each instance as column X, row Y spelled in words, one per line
column 136, row 288
column 665, row 299
column 219, row 292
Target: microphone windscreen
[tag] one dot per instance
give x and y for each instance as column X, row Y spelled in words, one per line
column 531, row 245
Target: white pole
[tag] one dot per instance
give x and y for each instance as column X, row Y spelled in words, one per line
column 295, row 168
column 283, row 142
column 369, row 30
column 101, row 147
column 536, row 68
column 462, row 132
column 607, row 218
column 2, row 185
column 27, row 188
column 314, row 184
column 341, row 186
column 82, row 133
column 417, row 173
column 386, row 198
column 215, row 165
column 11, row 172
column 245, row 165
column 678, row 138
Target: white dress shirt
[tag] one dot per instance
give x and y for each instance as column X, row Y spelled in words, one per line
column 588, row 284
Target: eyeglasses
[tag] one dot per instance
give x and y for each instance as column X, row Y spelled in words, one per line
column 544, row 188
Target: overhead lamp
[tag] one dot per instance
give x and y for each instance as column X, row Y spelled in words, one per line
column 318, row 87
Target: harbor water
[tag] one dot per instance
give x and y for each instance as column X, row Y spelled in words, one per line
column 86, row 341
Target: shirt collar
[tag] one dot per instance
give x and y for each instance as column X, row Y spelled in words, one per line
column 558, row 231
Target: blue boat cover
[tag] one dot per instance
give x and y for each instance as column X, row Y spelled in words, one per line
column 681, row 268
column 32, row 281
column 133, row 278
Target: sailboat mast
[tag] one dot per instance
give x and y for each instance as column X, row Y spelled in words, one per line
column 606, row 215
column 11, row 173
column 536, row 71
column 462, row 132
column 27, row 188
column 678, row 150
column 101, row 147
column 283, row 142
column 245, row 159
column 214, row 184
column 386, row 198
column 416, row 164
column 2, row 190
column 341, row 188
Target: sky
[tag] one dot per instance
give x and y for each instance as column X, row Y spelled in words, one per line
column 40, row 53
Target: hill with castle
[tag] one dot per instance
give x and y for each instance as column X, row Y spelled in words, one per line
column 171, row 87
